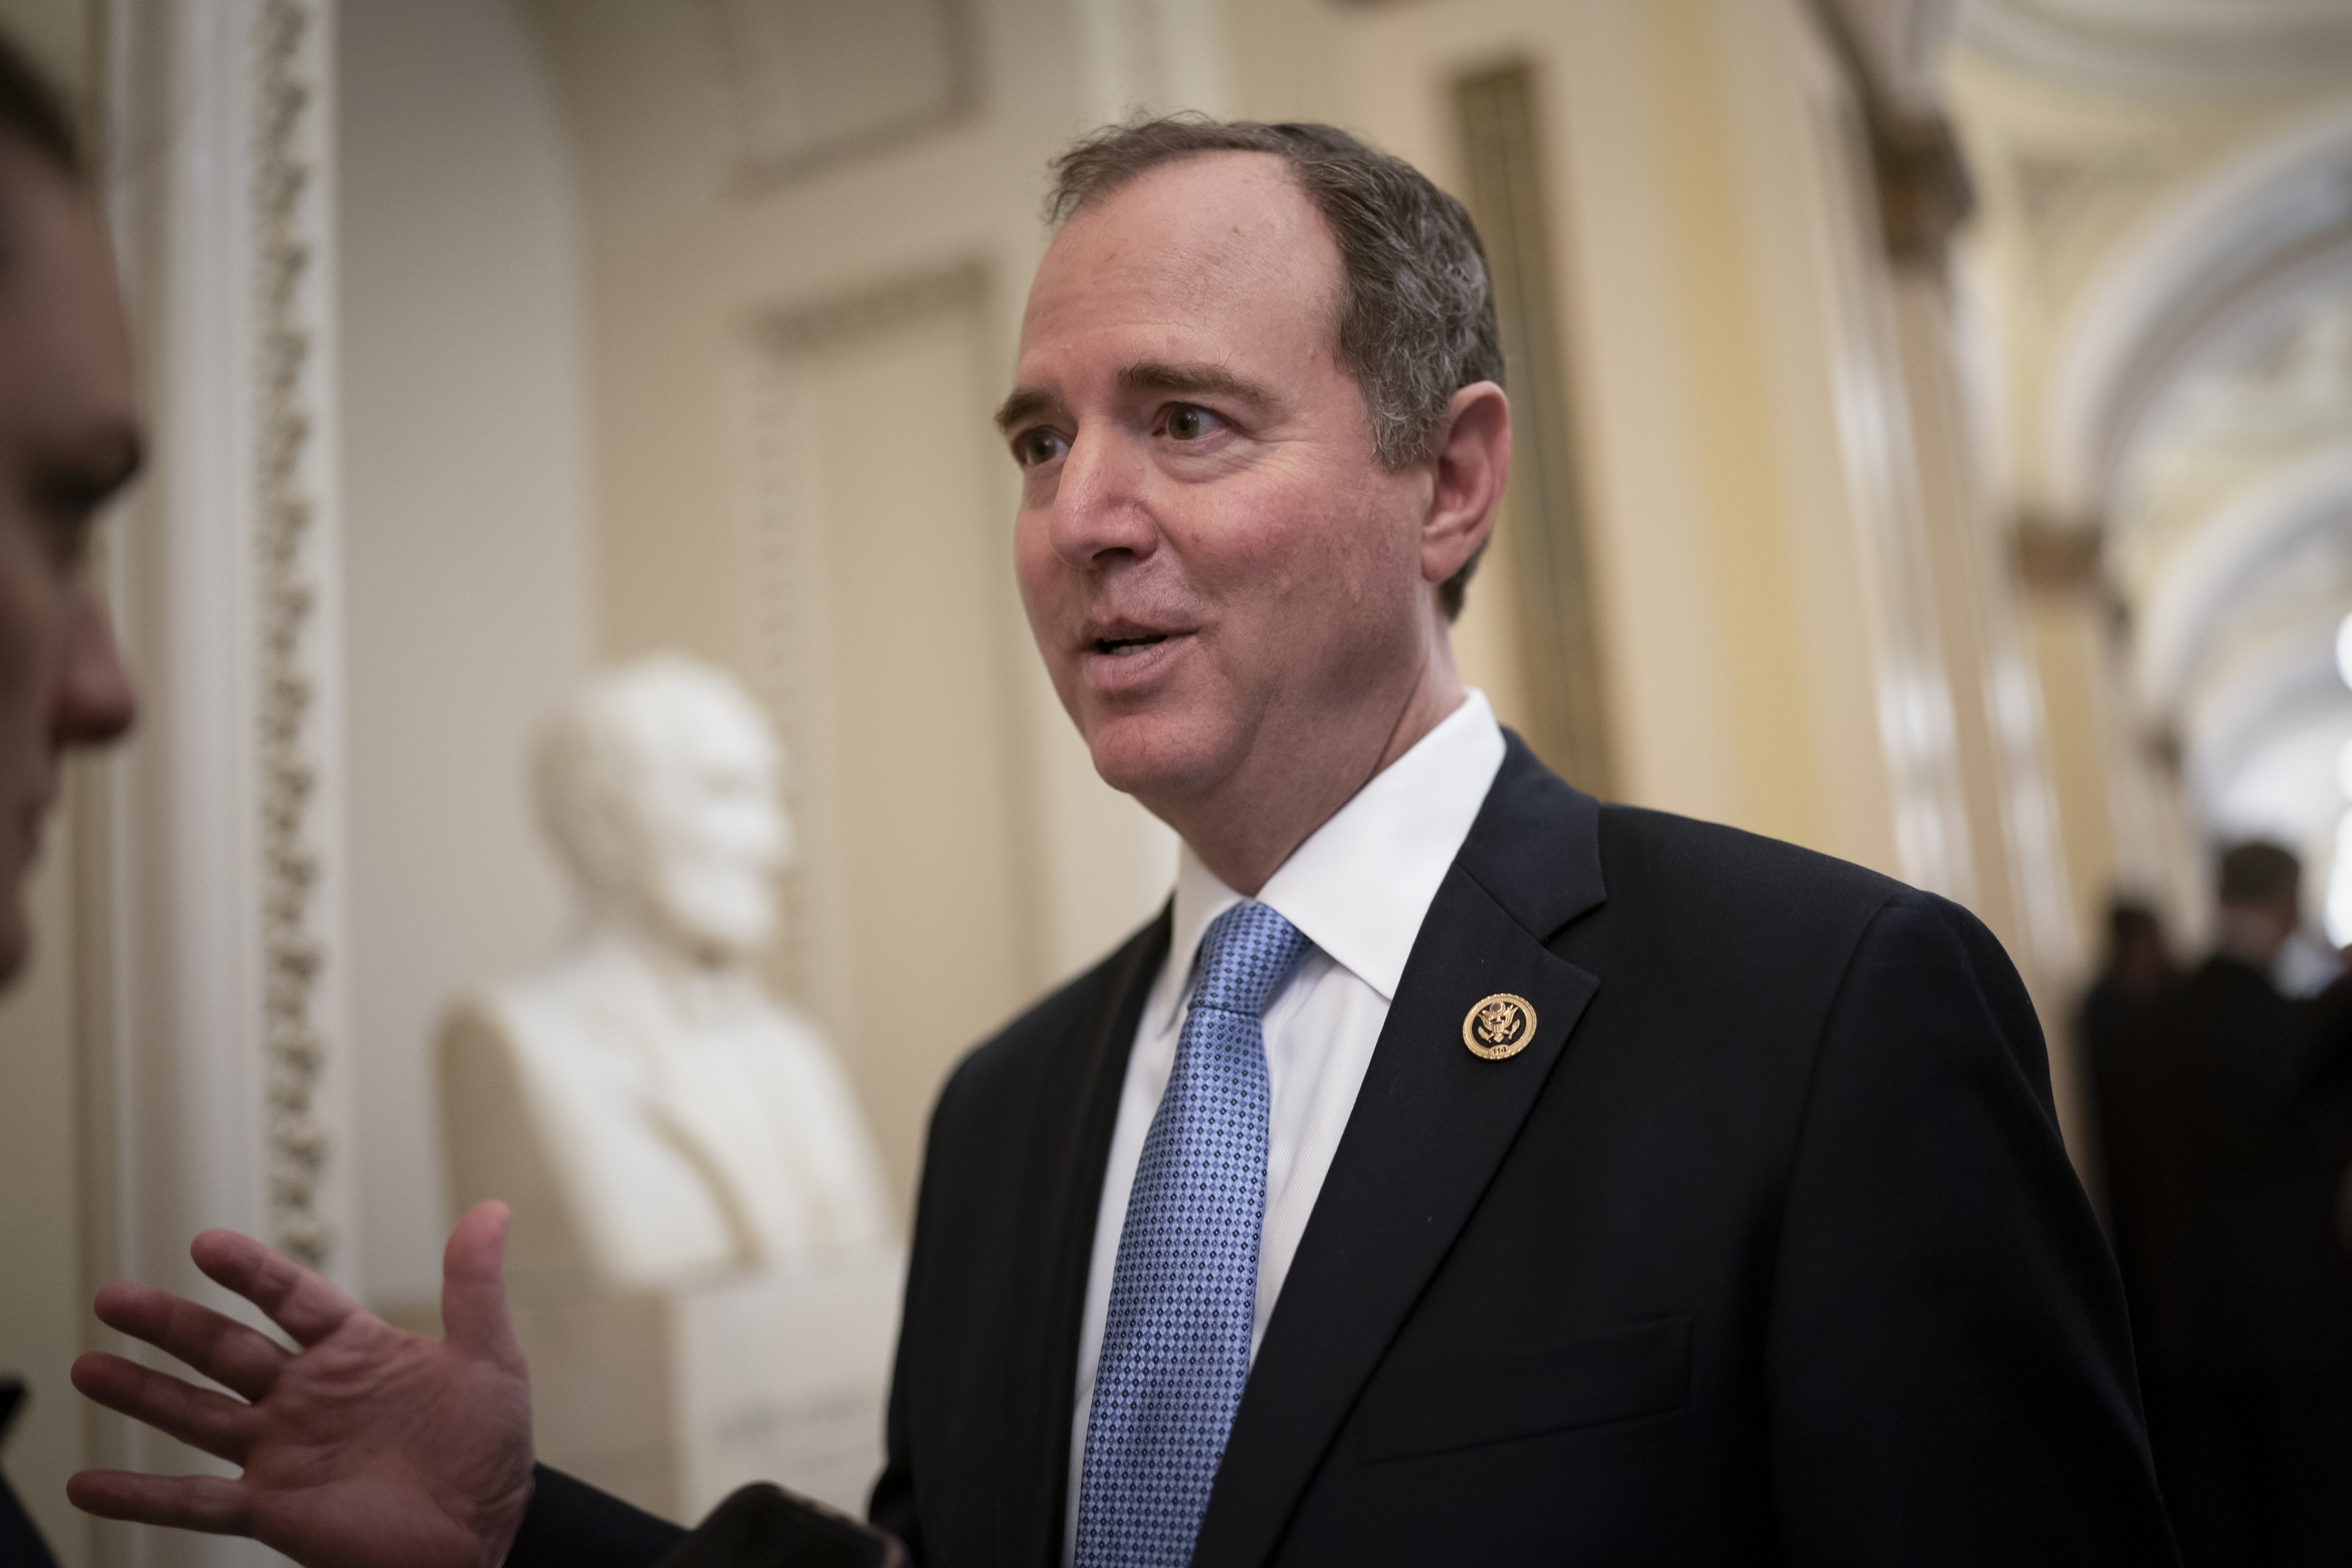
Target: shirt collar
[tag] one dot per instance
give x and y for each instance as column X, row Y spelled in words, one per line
column 1360, row 884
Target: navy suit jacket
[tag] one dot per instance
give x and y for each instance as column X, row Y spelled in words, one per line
column 1764, row 1251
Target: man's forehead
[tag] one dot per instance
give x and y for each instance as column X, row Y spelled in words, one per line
column 1207, row 200
column 1197, row 241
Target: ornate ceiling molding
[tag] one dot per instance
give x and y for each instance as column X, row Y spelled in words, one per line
column 2056, row 558
column 813, row 83
column 2200, row 48
column 1923, row 190
column 2282, row 685
column 2213, row 275
column 1899, row 46
column 2259, row 526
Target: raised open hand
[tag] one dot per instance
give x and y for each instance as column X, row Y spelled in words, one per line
column 368, row 1448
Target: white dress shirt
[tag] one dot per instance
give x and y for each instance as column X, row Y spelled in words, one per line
column 1358, row 889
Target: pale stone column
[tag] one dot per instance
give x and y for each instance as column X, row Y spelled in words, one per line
column 2018, row 878
column 2023, row 888
column 214, row 983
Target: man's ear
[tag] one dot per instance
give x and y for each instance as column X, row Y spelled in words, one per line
column 1469, row 460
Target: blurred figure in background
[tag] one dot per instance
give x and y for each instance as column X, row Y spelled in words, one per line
column 2139, row 965
column 2309, row 1321
column 2224, row 1251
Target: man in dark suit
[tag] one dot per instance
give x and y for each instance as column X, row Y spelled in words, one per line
column 2137, row 966
column 1458, row 1170
column 2220, row 1117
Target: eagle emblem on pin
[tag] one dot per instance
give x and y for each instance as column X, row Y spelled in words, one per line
column 1499, row 1026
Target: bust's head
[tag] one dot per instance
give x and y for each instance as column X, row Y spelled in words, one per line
column 658, row 784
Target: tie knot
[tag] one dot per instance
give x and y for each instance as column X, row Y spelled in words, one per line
column 1247, row 951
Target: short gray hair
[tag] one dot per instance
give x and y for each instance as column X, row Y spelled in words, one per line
column 1416, row 317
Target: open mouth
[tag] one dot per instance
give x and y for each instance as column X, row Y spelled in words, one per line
column 1120, row 647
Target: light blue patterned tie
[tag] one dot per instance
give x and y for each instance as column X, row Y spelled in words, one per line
column 1183, row 1294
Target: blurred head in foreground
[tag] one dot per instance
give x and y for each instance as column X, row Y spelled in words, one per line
column 69, row 438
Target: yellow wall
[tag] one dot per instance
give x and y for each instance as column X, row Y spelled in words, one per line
column 1742, row 486
column 1729, row 585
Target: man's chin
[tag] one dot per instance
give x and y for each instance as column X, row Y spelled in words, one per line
column 1153, row 759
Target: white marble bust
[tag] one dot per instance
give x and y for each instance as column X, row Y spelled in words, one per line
column 649, row 1112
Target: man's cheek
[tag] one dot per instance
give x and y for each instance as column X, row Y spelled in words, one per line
column 1037, row 574
column 1052, row 643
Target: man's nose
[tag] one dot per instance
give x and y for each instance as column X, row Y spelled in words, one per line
column 1101, row 503
column 95, row 701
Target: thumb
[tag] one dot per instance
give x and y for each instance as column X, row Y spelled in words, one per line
column 473, row 1289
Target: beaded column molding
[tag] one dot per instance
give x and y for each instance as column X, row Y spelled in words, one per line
column 293, row 954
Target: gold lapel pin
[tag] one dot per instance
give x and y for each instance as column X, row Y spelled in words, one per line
column 1499, row 1026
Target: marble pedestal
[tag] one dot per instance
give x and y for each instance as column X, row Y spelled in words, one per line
column 672, row 1400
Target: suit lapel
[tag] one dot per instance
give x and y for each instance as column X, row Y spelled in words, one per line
column 1054, row 1249
column 1430, row 1128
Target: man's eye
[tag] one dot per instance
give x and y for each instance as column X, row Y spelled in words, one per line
column 1033, row 447
column 65, row 502
column 1186, row 423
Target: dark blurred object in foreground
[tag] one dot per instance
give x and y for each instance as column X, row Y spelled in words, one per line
column 2222, row 1112
column 21, row 1545
column 764, row 1526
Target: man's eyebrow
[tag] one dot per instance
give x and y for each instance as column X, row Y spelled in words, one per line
column 1146, row 375
column 1025, row 401
column 1152, row 375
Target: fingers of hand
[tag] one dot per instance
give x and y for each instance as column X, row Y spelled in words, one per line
column 199, row 1417
column 473, row 1289
column 232, row 1354
column 303, row 1303
column 208, row 1503
column 477, row 1244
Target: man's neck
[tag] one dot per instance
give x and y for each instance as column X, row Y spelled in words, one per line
column 1245, row 832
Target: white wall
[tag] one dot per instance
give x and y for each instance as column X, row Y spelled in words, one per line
column 469, row 551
